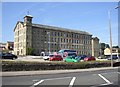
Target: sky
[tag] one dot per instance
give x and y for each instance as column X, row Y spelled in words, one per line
column 91, row 17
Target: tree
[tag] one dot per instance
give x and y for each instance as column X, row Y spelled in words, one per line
column 118, row 50
column 5, row 51
column 107, row 46
column 29, row 51
column 115, row 47
column 102, row 47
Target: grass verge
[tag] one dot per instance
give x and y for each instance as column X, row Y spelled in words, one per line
column 32, row 66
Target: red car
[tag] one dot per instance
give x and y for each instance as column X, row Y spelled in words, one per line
column 55, row 58
column 89, row 58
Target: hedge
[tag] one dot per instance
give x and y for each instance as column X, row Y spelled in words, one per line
column 30, row 66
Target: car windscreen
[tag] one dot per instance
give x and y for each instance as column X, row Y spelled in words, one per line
column 51, row 55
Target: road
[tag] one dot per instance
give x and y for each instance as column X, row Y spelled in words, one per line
column 100, row 78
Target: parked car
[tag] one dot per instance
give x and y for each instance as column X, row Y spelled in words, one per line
column 8, row 56
column 90, row 58
column 46, row 57
column 113, row 57
column 72, row 59
column 82, row 57
column 102, row 57
column 55, row 58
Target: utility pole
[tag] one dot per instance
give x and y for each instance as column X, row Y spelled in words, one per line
column 109, row 15
column 110, row 37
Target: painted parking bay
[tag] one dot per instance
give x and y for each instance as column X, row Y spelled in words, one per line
column 91, row 80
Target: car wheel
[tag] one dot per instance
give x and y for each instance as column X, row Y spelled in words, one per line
column 14, row 58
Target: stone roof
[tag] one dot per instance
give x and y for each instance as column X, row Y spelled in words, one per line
column 59, row 28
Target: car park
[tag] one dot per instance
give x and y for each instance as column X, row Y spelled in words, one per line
column 55, row 58
column 90, row 58
column 8, row 56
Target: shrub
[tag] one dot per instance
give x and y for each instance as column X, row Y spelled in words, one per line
column 29, row 66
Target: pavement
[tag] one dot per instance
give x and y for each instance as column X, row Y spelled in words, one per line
column 26, row 73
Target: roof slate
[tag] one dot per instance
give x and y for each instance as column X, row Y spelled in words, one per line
column 59, row 28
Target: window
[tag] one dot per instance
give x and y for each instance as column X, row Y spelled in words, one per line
column 55, row 33
column 61, row 39
column 64, row 40
column 58, row 34
column 55, row 40
column 67, row 40
column 67, row 35
column 61, row 33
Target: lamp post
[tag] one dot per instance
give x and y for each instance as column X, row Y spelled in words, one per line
column 110, row 37
column 109, row 15
column 118, row 48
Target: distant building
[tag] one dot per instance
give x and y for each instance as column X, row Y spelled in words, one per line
column 115, row 51
column 2, row 46
column 95, row 47
column 45, row 38
column 9, row 45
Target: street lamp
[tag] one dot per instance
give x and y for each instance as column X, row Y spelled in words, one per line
column 117, row 49
column 110, row 37
column 111, row 34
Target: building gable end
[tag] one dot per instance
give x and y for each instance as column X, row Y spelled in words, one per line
column 17, row 24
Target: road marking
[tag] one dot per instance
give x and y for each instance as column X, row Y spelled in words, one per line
column 106, row 73
column 58, row 78
column 35, row 80
column 37, row 83
column 72, row 82
column 108, row 82
column 118, row 72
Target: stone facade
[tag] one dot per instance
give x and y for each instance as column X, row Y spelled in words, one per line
column 95, row 47
column 44, row 38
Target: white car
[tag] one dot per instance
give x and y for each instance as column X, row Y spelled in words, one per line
column 46, row 57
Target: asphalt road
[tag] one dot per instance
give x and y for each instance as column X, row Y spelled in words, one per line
column 101, row 78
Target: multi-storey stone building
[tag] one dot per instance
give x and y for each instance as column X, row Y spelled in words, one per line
column 95, row 47
column 44, row 38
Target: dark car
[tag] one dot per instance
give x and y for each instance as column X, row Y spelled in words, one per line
column 8, row 56
column 82, row 57
column 113, row 57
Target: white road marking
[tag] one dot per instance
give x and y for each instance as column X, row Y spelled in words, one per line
column 38, row 83
column 106, row 73
column 118, row 72
column 108, row 82
column 58, row 78
column 72, row 82
column 35, row 80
